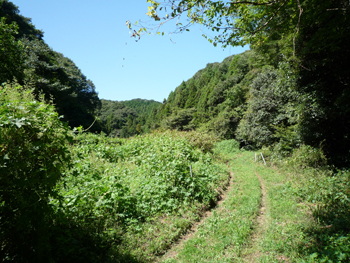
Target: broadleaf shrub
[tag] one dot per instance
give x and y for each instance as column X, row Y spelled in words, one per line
column 33, row 153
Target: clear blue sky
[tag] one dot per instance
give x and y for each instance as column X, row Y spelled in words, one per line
column 93, row 34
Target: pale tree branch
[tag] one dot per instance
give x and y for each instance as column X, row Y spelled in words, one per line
column 297, row 28
column 337, row 9
column 198, row 10
column 253, row 3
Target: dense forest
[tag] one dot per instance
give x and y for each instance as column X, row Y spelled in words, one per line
column 83, row 179
column 127, row 118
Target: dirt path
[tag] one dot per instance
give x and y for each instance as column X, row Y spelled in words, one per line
column 254, row 251
column 257, row 220
column 172, row 253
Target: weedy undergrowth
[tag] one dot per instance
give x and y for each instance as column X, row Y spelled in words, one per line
column 119, row 189
column 223, row 235
column 325, row 192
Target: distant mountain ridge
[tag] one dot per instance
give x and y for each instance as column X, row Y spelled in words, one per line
column 127, row 118
column 141, row 105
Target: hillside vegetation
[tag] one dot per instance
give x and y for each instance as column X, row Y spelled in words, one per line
column 90, row 180
column 127, row 118
column 85, row 197
column 27, row 58
column 247, row 98
column 300, row 94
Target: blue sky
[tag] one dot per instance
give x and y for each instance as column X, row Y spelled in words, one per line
column 94, row 35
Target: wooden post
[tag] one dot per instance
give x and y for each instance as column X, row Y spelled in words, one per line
column 191, row 170
column 263, row 158
column 255, row 157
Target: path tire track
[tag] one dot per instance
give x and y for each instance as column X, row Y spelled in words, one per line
column 254, row 251
column 178, row 245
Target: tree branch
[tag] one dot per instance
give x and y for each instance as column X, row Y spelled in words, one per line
column 297, row 28
column 252, row 3
column 337, row 9
column 272, row 17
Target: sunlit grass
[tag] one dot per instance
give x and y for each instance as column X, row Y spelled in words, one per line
column 221, row 237
column 285, row 219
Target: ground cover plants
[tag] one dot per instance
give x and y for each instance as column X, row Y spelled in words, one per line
column 119, row 189
column 137, row 197
column 326, row 191
column 261, row 219
column 309, row 209
column 73, row 197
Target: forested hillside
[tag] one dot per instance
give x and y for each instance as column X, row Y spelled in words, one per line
column 214, row 99
column 244, row 97
column 127, row 118
column 26, row 58
column 299, row 93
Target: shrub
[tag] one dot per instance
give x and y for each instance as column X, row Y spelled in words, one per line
column 32, row 154
column 202, row 140
column 227, row 147
column 308, row 156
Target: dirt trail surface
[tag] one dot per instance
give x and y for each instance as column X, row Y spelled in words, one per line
column 172, row 253
column 254, row 250
column 222, row 234
column 257, row 220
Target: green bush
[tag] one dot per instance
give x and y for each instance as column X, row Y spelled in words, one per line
column 227, row 147
column 308, row 156
column 33, row 154
column 201, row 139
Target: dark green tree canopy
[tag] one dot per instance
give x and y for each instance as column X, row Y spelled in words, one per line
column 10, row 12
column 127, row 118
column 26, row 57
column 11, row 52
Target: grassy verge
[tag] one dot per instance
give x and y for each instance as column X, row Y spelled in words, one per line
column 308, row 211
column 326, row 194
